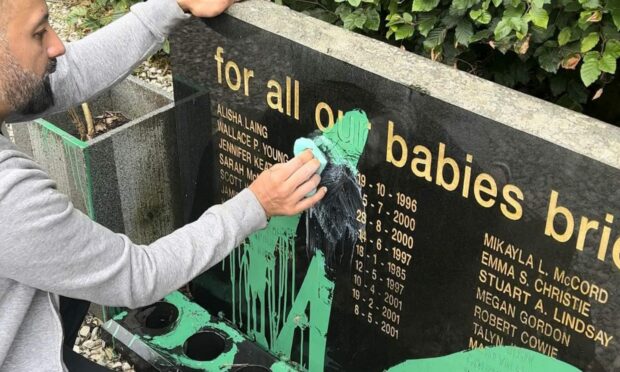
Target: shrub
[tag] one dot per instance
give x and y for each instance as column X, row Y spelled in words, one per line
column 553, row 49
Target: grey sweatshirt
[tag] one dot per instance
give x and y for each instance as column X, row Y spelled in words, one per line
column 48, row 248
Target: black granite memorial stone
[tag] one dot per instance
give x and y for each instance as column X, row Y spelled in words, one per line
column 480, row 247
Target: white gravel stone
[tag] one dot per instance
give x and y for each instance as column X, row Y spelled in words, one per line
column 84, row 331
column 96, row 332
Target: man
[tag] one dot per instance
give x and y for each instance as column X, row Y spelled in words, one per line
column 47, row 247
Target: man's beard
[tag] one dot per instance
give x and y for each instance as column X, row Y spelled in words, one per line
column 24, row 91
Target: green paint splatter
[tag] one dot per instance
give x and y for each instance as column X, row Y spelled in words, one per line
column 345, row 141
column 492, row 359
column 192, row 319
column 264, row 299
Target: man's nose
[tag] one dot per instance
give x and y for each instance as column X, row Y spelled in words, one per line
column 56, row 48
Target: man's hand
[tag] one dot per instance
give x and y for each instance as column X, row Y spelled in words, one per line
column 205, row 8
column 282, row 189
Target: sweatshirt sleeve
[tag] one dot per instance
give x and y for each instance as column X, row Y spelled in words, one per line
column 105, row 57
column 49, row 245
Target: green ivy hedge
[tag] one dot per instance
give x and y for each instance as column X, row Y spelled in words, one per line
column 564, row 51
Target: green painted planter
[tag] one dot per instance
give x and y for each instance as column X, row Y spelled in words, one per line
column 125, row 179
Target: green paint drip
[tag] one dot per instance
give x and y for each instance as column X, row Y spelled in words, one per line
column 492, row 359
column 253, row 271
column 264, row 299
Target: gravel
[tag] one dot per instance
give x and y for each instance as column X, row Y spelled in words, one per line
column 90, row 345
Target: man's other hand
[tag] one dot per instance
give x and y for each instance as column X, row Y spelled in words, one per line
column 282, row 189
column 205, row 8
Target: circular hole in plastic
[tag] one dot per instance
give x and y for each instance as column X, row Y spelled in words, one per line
column 205, row 346
column 253, row 368
column 158, row 316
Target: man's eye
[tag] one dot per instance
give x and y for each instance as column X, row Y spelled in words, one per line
column 39, row 35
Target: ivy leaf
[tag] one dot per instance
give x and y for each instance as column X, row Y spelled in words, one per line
column 614, row 8
column 393, row 6
column 475, row 14
column 497, row 3
column 355, row 19
column 564, row 36
column 373, row 20
column 612, row 48
column 514, row 12
column 590, row 70
column 343, row 11
column 615, row 14
column 463, row 32
column 502, row 29
column 549, row 57
column 607, row 63
column 435, row 38
column 354, row 3
column 539, row 17
column 480, row 35
column 463, row 4
column 520, row 25
column 485, row 18
column 426, row 24
column 424, row 5
column 538, row 3
column 590, row 4
column 404, row 31
column 589, row 42
column 480, row 16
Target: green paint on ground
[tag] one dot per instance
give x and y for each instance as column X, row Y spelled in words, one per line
column 492, row 359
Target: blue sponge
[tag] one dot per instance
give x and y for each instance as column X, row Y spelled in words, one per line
column 302, row 144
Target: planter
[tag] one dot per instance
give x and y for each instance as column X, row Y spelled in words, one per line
column 125, row 179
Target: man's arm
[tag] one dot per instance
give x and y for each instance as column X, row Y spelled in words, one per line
column 49, row 245
column 105, row 57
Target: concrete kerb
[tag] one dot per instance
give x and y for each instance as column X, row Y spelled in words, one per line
column 566, row 128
